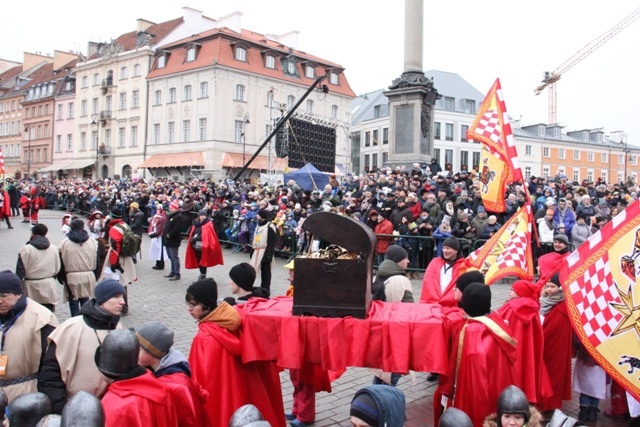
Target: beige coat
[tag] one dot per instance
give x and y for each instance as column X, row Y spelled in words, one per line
column 23, row 347
column 79, row 261
column 76, row 345
column 41, row 266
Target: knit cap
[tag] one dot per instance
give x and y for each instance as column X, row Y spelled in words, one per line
column 108, row 289
column 39, row 230
column 174, row 206
column 116, row 213
column 155, row 338
column 262, row 213
column 476, row 299
column 465, row 279
column 561, row 238
column 205, row 291
column 452, row 243
column 134, row 205
column 396, row 253
column 363, row 406
column 77, row 225
column 243, row 275
column 10, row 283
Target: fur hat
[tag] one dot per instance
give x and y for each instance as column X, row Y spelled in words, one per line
column 155, row 338
column 10, row 283
column 476, row 299
column 108, row 289
column 396, row 253
column 243, row 275
column 205, row 291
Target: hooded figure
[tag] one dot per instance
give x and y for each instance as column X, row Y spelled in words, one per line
column 379, row 405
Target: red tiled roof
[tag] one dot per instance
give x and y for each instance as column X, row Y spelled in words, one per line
column 47, row 73
column 216, row 49
column 159, row 31
column 10, row 74
column 174, row 160
column 234, row 160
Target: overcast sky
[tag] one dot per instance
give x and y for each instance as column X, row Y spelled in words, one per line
column 513, row 40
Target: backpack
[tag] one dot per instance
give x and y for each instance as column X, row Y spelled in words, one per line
column 130, row 242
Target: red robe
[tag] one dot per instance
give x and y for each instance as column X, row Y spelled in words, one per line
column 523, row 317
column 431, row 290
column 6, row 205
column 139, row 402
column 189, row 399
column 558, row 340
column 485, row 367
column 211, row 251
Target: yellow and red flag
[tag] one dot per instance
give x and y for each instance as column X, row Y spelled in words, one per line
column 508, row 251
column 601, row 283
column 492, row 128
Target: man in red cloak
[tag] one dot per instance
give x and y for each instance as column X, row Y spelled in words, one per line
column 438, row 284
column 5, row 205
column 208, row 252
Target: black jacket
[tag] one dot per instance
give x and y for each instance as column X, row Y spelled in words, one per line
column 172, row 235
column 136, row 222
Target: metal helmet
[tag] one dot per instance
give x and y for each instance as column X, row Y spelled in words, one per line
column 512, row 400
column 118, row 353
column 244, row 415
column 454, row 417
column 27, row 409
column 83, row 410
column 51, row 420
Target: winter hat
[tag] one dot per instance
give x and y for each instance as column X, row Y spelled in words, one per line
column 452, row 243
column 561, row 238
column 10, row 283
column 108, row 289
column 39, row 230
column 396, row 253
column 116, row 213
column 524, row 288
column 262, row 213
column 481, row 209
column 363, row 406
column 77, row 225
column 155, row 338
column 243, row 275
column 202, row 212
column 134, row 205
column 550, row 201
column 205, row 291
column 465, row 279
column 476, row 299
column 297, row 206
column 556, row 280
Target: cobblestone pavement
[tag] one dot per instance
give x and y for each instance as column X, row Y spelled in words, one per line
column 153, row 297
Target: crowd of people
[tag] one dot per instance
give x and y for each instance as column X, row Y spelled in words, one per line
column 426, row 221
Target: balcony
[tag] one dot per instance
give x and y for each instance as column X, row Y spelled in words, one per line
column 107, row 84
column 104, row 150
column 105, row 116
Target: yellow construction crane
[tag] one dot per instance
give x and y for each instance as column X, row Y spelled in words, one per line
column 550, row 78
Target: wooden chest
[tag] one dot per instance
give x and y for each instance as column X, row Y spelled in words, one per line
column 340, row 287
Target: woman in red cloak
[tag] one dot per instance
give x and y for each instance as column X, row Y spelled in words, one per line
column 203, row 249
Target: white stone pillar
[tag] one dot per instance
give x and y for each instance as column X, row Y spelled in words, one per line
column 413, row 35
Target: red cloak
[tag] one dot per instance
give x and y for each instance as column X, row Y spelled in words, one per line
column 485, row 366
column 189, row 399
column 558, row 342
column 548, row 264
column 6, row 205
column 139, row 402
column 431, row 289
column 523, row 317
column 211, row 251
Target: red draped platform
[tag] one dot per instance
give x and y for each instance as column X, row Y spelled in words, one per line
column 395, row 337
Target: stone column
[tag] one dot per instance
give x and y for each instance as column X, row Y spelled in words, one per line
column 411, row 97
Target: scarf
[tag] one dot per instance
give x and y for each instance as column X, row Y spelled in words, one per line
column 548, row 302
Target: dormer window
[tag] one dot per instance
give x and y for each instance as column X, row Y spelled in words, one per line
column 333, row 78
column 192, row 51
column 163, row 59
column 241, row 54
column 289, row 66
column 270, row 62
column 310, row 71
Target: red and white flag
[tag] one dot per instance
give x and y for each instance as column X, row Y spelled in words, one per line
column 601, row 283
column 1, row 162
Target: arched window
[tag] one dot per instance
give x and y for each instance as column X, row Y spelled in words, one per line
column 126, row 171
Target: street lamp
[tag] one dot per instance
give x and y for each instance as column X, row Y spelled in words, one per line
column 26, row 129
column 244, row 137
column 95, row 122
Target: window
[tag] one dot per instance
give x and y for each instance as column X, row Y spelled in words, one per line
column 202, row 129
column 366, row 162
column 68, row 85
column 449, row 104
column 448, row 158
column 186, row 130
column 123, row 101
column 241, row 54
column 436, row 130
column 134, row 136
column 121, row 137
column 527, row 172
column 171, row 131
column 83, row 107
column 172, row 95
column 590, row 157
column 191, row 54
column 204, row 90
column 69, row 142
column 561, row 153
column 476, row 160
column 604, row 159
column 108, row 103
column 39, row 110
column 620, row 177
column 576, row 154
column 576, row 174
column 59, row 111
column 309, row 72
column 590, row 174
column 107, row 138
column 46, row 130
column 58, row 143
column 291, row 67
column 367, row 139
column 135, row 99
column 291, row 100
column 186, row 93
column 374, row 160
column 545, row 151
column 38, row 156
column 96, row 79
column 545, row 172
column 385, row 136
column 527, row 150
column 83, row 141
column 85, row 82
column 136, row 70
column 463, row 133
column 333, row 78
column 334, row 111
column 270, row 62
column 374, row 137
column 310, row 106
column 464, row 160
column 162, row 61
column 633, row 160
column 239, row 93
column 124, row 73
column 469, row 106
column 449, row 131
column 94, row 106
column 94, row 139
column 156, row 133
column 157, row 97
column 621, row 159
column 603, row 174
column 238, row 128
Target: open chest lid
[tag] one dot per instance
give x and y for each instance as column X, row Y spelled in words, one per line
column 340, row 230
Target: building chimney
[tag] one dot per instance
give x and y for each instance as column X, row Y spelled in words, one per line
column 60, row 59
column 143, row 25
